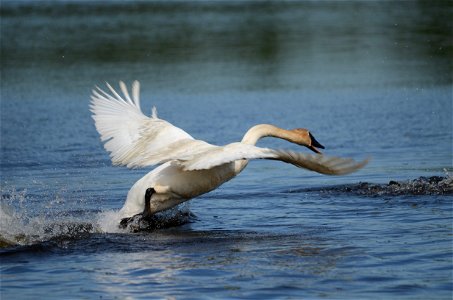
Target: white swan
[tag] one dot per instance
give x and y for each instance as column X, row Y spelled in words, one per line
column 188, row 167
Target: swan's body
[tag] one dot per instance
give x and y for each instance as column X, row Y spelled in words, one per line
column 174, row 186
column 188, row 167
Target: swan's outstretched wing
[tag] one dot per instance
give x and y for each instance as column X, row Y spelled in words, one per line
column 135, row 140
column 130, row 136
column 319, row 163
column 328, row 165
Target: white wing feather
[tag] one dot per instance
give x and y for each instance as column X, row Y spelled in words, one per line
column 128, row 134
column 135, row 140
column 328, row 165
column 319, row 163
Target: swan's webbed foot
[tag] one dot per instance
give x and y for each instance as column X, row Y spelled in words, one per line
column 136, row 223
column 142, row 221
column 125, row 221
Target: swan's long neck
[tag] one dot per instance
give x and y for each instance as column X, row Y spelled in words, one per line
column 263, row 130
column 255, row 133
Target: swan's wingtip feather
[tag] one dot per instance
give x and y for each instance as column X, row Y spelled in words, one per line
column 350, row 167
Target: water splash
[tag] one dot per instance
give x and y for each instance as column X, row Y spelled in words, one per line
column 108, row 221
column 22, row 222
column 28, row 221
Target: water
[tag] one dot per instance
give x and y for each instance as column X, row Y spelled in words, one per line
column 367, row 78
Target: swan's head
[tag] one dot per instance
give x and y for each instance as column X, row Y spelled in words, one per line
column 303, row 137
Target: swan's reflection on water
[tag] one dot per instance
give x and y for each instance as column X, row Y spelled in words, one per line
column 179, row 260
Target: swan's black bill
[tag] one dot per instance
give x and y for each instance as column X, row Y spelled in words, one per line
column 315, row 144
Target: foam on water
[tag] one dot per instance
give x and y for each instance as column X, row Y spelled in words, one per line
column 108, row 221
column 434, row 185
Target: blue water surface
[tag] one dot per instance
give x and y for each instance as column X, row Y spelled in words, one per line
column 368, row 78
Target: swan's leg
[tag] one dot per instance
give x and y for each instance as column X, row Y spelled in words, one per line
column 146, row 214
column 147, row 210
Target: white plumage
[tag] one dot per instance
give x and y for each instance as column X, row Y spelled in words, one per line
column 188, row 167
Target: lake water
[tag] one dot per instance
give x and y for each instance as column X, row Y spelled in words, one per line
column 369, row 79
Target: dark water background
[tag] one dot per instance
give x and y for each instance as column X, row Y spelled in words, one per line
column 368, row 78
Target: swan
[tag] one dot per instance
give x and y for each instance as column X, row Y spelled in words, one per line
column 188, row 167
